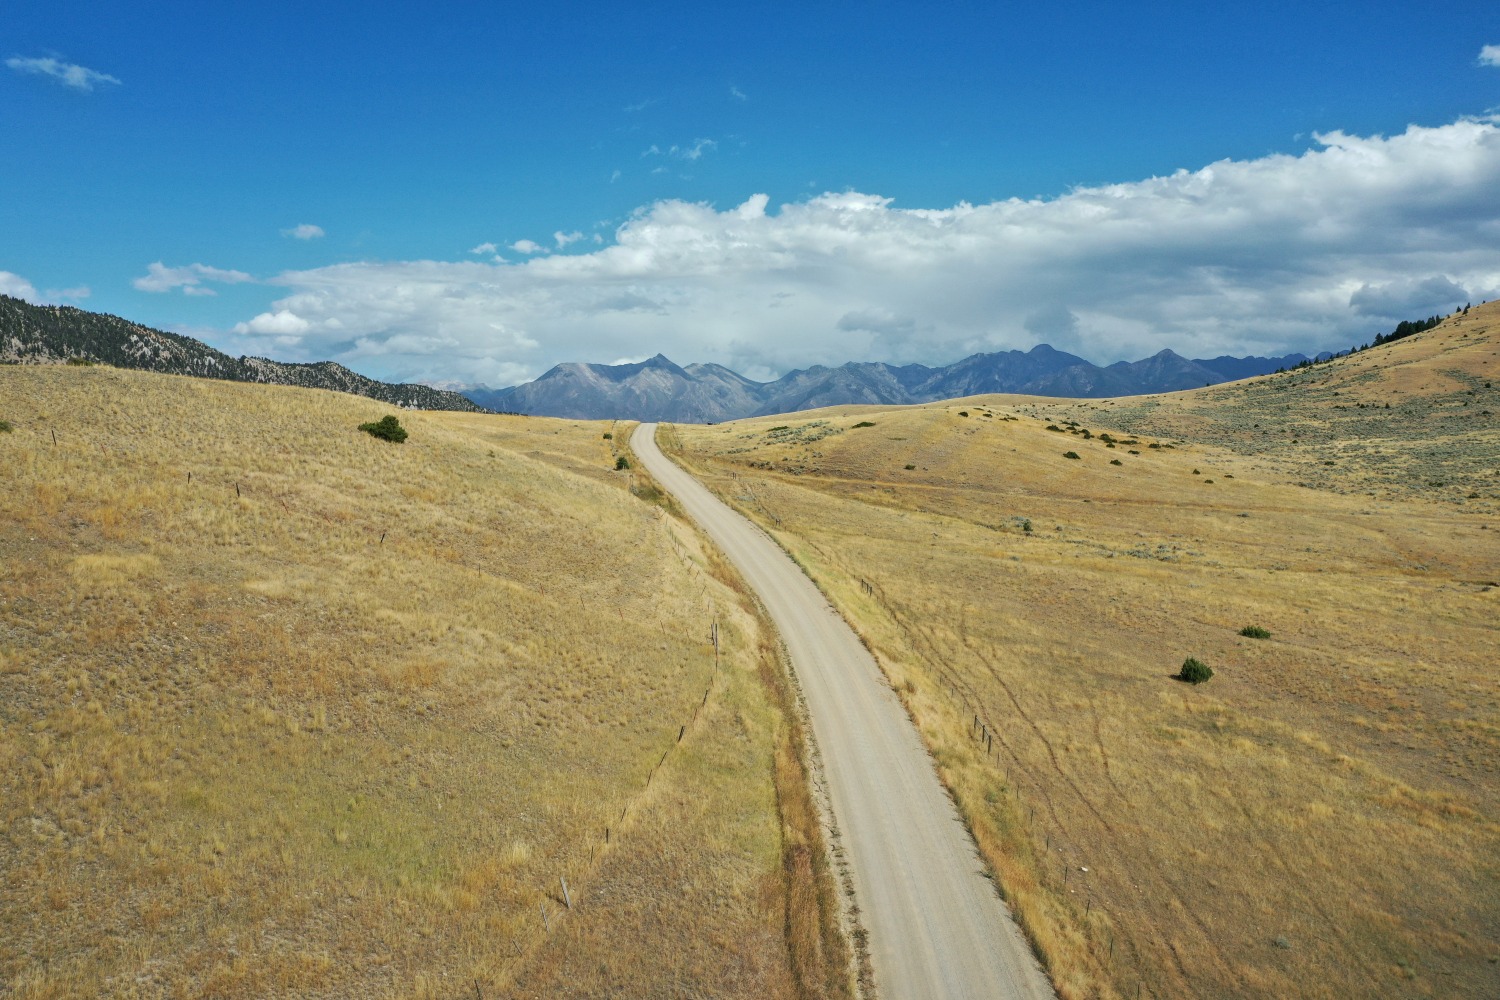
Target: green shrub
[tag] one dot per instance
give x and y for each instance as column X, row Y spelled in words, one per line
column 1070, row 454
column 1254, row 632
column 1153, row 444
column 387, row 428
column 5, row 427
column 910, row 467
column 608, row 436
column 1026, row 526
column 1194, row 671
column 864, row 423
column 80, row 362
column 1115, row 461
column 622, row 463
column 963, row 413
column 1054, row 427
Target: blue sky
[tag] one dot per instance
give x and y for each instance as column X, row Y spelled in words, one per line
column 937, row 179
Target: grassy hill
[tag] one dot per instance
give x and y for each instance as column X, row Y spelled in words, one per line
column 1320, row 818
column 289, row 710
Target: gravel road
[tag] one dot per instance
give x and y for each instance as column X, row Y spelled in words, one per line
column 937, row 927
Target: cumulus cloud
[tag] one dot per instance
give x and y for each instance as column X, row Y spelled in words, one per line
column 281, row 323
column 528, row 247
column 1489, row 55
column 18, row 287
column 563, row 239
column 70, row 75
column 160, row 278
column 305, row 231
column 485, row 248
column 1281, row 253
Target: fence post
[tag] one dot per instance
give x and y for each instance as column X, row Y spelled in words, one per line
column 567, row 897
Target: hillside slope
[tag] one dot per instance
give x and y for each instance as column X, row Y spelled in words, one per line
column 289, row 710
column 1418, row 418
column 1322, row 818
column 31, row 334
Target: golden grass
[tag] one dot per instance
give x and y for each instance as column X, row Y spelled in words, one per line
column 288, row 710
column 1317, row 820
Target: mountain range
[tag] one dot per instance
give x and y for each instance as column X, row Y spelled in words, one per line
column 658, row 389
column 32, row 334
column 655, row 389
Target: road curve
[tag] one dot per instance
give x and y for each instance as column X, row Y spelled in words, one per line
column 936, row 926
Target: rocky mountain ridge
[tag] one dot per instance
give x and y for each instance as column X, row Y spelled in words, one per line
column 32, row 334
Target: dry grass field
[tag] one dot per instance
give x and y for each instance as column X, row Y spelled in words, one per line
column 289, row 710
column 1317, row 820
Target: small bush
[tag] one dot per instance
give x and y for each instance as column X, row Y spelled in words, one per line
column 1194, row 671
column 622, row 463
column 1026, row 526
column 1115, row 461
column 1197, row 473
column 1070, row 454
column 910, row 467
column 80, row 362
column 5, row 427
column 608, row 436
column 864, row 423
column 963, row 413
column 387, row 428
column 1254, row 632
column 1054, row 427
column 1154, row 444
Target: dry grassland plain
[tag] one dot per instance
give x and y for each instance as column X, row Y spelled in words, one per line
column 1317, row 820
column 289, row 710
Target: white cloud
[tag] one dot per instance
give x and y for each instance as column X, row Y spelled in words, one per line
column 563, row 239
column 160, row 278
column 69, row 75
column 527, row 247
column 1489, row 55
column 18, row 287
column 485, row 248
column 281, row 323
column 737, row 94
column 305, row 231
column 1271, row 255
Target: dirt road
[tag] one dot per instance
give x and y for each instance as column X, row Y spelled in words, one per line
column 937, row 927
